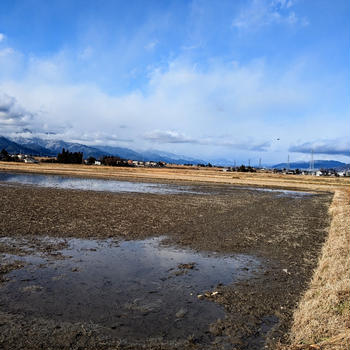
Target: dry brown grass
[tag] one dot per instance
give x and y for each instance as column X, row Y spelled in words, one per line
column 322, row 319
column 192, row 174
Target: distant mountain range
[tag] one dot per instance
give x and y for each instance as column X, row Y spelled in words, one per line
column 40, row 147
column 318, row 164
column 13, row 147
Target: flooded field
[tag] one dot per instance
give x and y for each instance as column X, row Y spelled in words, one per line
column 90, row 184
column 135, row 289
column 187, row 267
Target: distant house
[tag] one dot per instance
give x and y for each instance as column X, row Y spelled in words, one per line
column 30, row 160
column 97, row 162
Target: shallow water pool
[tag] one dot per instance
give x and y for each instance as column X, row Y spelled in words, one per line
column 134, row 289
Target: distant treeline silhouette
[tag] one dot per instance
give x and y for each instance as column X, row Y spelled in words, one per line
column 67, row 157
column 114, row 161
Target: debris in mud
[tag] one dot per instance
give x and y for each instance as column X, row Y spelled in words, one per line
column 208, row 295
column 6, row 267
column 188, row 266
column 181, row 313
column 32, row 288
column 183, row 269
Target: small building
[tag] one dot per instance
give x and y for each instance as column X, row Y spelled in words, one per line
column 30, row 160
column 97, row 162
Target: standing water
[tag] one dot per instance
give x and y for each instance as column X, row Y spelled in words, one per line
column 135, row 289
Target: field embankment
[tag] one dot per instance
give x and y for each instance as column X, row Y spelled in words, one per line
column 322, row 319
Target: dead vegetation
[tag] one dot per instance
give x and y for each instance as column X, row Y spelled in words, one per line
column 178, row 173
column 322, row 319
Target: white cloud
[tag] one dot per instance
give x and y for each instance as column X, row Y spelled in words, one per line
column 260, row 13
column 151, row 45
column 181, row 105
column 12, row 114
column 283, row 4
column 2, row 37
column 7, row 51
column 86, row 53
column 168, row 136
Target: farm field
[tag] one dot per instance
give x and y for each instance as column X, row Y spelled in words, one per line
column 273, row 240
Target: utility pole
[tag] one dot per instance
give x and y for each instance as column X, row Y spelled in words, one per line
column 260, row 163
column 288, row 164
column 312, row 164
column 248, row 162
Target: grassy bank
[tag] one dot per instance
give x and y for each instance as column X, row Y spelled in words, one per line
column 322, row 319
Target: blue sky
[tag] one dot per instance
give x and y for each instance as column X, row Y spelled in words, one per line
column 209, row 79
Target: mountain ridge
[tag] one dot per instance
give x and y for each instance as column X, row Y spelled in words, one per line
column 318, row 164
column 43, row 147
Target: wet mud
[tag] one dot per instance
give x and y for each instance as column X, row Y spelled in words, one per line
column 280, row 234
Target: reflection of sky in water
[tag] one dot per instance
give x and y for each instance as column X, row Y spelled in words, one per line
column 279, row 192
column 64, row 182
column 138, row 282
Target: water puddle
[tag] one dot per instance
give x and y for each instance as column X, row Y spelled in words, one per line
column 135, row 289
column 280, row 192
column 90, row 184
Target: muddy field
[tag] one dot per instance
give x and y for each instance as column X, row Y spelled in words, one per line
column 284, row 232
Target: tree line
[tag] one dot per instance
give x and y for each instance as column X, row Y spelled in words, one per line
column 67, row 157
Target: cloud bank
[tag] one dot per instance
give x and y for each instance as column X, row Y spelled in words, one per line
column 12, row 115
column 328, row 147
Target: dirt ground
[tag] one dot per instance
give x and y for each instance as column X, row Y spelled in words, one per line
column 287, row 233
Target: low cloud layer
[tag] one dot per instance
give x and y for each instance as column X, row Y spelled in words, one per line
column 159, row 136
column 328, row 147
column 12, row 115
